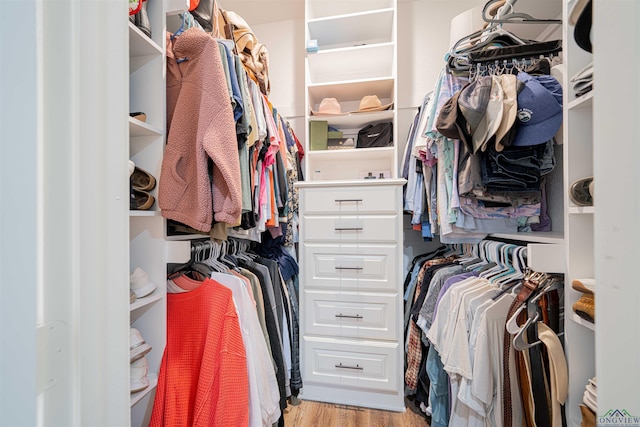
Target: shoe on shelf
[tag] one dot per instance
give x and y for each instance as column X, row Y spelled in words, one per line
column 587, row 286
column 579, row 192
column 132, row 167
column 140, row 284
column 142, row 19
column 138, row 347
column 132, row 297
column 142, row 180
column 585, row 307
column 141, row 200
column 139, row 115
column 138, row 372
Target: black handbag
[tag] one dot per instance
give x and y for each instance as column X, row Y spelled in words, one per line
column 378, row 135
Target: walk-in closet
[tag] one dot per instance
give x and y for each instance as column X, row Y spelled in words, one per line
column 319, row 213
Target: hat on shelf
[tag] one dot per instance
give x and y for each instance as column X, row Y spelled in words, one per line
column 582, row 29
column 328, row 107
column 370, row 103
column 539, row 109
column 576, row 10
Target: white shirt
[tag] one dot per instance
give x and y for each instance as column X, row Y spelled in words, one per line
column 264, row 395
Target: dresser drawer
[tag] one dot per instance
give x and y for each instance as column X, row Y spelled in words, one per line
column 361, row 228
column 350, row 314
column 362, row 365
column 351, row 200
column 350, row 266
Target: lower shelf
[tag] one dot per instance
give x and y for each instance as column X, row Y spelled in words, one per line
column 580, row 321
column 153, row 383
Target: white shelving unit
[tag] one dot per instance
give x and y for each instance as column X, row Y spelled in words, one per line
column 357, row 56
column 617, row 200
column 351, row 291
column 579, row 222
column 146, row 228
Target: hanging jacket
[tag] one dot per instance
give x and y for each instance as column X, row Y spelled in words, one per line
column 200, row 126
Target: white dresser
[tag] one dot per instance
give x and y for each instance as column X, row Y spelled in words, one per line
column 351, row 293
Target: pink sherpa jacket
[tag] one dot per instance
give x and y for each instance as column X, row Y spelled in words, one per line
column 200, row 126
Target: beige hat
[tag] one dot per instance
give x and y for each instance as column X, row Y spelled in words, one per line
column 328, row 107
column 576, row 11
column 510, row 107
column 371, row 103
column 492, row 117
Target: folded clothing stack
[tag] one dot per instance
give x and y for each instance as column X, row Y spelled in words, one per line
column 582, row 81
column 588, row 408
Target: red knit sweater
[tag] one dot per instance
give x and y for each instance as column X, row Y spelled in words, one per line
column 203, row 376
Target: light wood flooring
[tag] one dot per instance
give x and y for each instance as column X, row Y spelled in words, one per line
column 317, row 414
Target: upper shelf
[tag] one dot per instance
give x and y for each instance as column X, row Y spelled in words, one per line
column 138, row 128
column 359, row 62
column 325, row 8
column 354, row 29
column 349, row 93
column 140, row 44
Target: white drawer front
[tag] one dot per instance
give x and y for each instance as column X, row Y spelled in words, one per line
column 350, row 266
column 352, row 365
column 350, row 200
column 350, row 314
column 363, row 228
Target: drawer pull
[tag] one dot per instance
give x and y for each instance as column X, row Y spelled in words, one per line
column 350, row 268
column 357, row 367
column 348, row 228
column 348, row 316
column 348, row 200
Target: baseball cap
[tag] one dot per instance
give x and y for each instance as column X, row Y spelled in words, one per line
column 539, row 109
column 473, row 102
column 492, row 117
column 510, row 108
column 450, row 121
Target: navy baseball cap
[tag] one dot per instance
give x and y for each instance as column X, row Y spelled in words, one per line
column 539, row 109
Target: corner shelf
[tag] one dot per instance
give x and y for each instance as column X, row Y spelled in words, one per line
column 580, row 321
column 142, row 302
column 137, row 397
column 584, row 101
column 139, row 128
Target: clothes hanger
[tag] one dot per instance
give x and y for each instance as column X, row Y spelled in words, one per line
column 519, row 341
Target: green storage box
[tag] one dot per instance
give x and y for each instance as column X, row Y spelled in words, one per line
column 318, row 130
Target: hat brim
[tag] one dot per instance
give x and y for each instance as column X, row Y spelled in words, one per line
column 576, row 11
column 538, row 133
column 318, row 113
column 371, row 109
